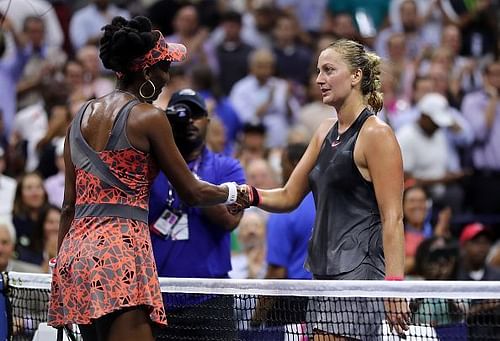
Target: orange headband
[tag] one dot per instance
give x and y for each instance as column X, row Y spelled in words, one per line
column 161, row 51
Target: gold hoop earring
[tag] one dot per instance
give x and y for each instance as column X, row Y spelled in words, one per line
column 148, row 81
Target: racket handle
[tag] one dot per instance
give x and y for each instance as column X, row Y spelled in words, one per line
column 60, row 334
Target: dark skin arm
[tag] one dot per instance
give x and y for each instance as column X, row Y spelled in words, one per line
column 68, row 207
column 148, row 130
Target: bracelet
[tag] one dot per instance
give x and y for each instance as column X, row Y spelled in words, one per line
column 232, row 194
column 394, row 278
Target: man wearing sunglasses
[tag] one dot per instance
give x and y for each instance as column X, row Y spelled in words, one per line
column 194, row 242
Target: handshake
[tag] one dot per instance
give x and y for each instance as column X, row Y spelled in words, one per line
column 241, row 197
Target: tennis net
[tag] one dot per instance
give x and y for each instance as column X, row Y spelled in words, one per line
column 228, row 309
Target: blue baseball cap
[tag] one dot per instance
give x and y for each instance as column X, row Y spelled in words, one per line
column 190, row 98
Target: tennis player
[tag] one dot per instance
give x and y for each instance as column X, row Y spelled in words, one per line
column 105, row 279
column 353, row 166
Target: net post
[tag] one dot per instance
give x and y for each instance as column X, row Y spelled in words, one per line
column 4, row 325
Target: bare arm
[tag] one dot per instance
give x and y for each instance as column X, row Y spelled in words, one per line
column 150, row 130
column 446, row 179
column 68, row 207
column 287, row 198
column 385, row 167
column 8, row 27
column 383, row 161
column 276, row 272
column 58, row 120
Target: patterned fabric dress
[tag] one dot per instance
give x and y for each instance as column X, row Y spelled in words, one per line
column 106, row 261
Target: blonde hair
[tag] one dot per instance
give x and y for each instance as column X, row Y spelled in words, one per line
column 356, row 57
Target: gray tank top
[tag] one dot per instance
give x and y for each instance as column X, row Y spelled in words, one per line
column 347, row 230
column 87, row 159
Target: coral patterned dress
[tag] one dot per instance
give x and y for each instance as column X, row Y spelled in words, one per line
column 106, row 261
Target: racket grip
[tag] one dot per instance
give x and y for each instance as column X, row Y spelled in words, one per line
column 60, row 334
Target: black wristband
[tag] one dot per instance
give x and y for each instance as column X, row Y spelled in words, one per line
column 255, row 197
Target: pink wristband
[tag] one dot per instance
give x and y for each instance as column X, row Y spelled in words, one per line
column 394, row 278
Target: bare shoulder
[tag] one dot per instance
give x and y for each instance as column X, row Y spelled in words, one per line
column 376, row 129
column 377, row 140
column 323, row 130
column 145, row 116
column 146, row 111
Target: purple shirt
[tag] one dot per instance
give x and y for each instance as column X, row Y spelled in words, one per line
column 54, row 185
column 11, row 68
column 486, row 149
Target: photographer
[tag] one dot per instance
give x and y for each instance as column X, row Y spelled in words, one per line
column 188, row 241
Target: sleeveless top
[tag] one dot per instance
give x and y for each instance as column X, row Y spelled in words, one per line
column 125, row 187
column 347, row 230
column 106, row 260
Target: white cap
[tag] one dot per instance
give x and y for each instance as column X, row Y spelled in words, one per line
column 436, row 107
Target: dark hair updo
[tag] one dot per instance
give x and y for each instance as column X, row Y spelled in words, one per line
column 124, row 41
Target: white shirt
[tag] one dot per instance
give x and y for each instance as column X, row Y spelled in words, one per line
column 247, row 95
column 18, row 10
column 7, row 191
column 54, row 185
column 87, row 22
column 424, row 156
column 31, row 124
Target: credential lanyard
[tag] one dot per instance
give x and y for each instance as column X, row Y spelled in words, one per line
column 171, row 196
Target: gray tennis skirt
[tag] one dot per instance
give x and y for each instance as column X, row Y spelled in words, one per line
column 358, row 318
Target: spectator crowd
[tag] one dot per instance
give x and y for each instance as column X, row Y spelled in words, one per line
column 254, row 64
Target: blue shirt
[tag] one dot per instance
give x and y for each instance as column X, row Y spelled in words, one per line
column 11, row 69
column 230, row 119
column 287, row 238
column 207, row 252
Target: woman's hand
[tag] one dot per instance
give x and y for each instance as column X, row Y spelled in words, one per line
column 397, row 313
column 243, row 199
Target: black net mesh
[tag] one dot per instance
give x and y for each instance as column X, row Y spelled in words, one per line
column 28, row 308
column 238, row 316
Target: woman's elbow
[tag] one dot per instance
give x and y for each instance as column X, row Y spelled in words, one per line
column 393, row 219
column 68, row 208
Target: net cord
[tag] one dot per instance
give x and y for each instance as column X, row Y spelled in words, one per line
column 302, row 288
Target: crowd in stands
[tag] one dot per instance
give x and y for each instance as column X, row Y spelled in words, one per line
column 254, row 62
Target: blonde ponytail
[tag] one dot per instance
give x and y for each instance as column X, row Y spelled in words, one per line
column 372, row 83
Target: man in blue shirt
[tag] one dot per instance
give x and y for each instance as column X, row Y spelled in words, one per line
column 288, row 233
column 287, row 240
column 194, row 242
